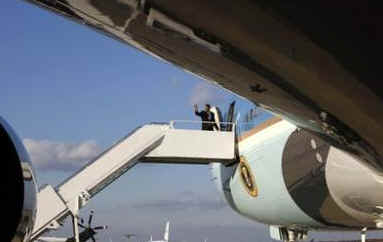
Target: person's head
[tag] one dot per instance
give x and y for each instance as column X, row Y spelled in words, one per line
column 207, row 107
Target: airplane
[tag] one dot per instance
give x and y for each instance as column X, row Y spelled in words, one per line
column 166, row 235
column 165, row 239
column 315, row 65
column 128, row 236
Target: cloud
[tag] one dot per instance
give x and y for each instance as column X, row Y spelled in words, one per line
column 186, row 200
column 174, row 205
column 203, row 93
column 51, row 155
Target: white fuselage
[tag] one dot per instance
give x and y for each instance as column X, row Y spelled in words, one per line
column 290, row 177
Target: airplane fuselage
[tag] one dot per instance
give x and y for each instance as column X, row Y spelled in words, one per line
column 290, row 177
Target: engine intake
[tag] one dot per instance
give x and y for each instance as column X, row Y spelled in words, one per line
column 18, row 184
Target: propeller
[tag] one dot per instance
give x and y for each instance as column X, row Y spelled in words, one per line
column 90, row 218
column 89, row 231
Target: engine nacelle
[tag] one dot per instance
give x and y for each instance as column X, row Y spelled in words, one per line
column 18, row 181
column 288, row 177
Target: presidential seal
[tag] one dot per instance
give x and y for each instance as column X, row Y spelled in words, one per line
column 247, row 177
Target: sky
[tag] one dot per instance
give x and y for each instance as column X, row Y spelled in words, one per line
column 70, row 93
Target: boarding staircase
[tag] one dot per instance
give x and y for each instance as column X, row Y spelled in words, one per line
column 157, row 143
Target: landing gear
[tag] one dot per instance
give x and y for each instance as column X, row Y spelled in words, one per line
column 296, row 235
column 287, row 235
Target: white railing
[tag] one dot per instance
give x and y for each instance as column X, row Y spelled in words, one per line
column 197, row 125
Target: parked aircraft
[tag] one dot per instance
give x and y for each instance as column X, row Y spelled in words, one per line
column 316, row 65
column 128, row 236
column 166, row 234
column 165, row 239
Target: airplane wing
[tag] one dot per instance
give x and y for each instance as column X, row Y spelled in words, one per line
column 313, row 64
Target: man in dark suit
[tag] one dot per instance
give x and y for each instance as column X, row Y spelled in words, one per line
column 207, row 117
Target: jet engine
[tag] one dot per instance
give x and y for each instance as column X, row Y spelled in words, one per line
column 19, row 186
